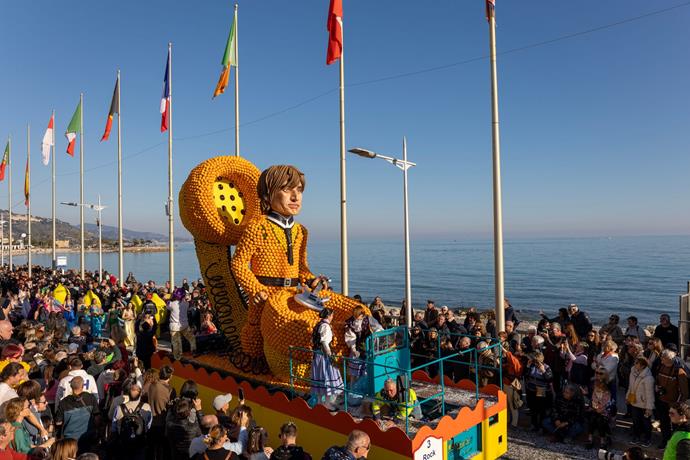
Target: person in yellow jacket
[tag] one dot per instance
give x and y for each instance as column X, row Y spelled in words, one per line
column 387, row 403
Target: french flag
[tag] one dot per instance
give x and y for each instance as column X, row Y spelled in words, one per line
column 165, row 99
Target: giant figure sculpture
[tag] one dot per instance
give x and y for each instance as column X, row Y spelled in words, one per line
column 225, row 201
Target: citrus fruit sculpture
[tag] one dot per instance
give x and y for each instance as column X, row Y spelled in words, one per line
column 221, row 207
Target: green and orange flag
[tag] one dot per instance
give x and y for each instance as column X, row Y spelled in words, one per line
column 229, row 58
column 5, row 160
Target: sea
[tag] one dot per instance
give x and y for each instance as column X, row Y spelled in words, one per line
column 641, row 276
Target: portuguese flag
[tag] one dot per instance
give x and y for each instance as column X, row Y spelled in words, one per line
column 73, row 129
column 229, row 59
column 5, row 160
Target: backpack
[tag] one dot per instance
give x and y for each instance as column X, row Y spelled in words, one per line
column 132, row 428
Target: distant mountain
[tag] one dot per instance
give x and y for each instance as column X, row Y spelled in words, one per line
column 42, row 231
column 110, row 233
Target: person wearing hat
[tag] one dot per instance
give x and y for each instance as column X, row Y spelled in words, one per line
column 221, row 404
column 327, row 383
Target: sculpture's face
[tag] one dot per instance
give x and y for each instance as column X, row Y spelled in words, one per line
column 287, row 201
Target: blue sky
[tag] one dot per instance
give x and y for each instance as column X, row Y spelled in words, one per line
column 594, row 127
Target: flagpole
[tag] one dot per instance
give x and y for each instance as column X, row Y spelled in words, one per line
column 237, row 92
column 171, row 240
column 54, row 265
column 27, row 180
column 498, row 213
column 9, row 193
column 120, row 260
column 344, row 271
column 81, row 183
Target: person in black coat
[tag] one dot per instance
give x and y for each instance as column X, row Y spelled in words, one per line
column 509, row 313
column 146, row 335
column 667, row 332
column 580, row 320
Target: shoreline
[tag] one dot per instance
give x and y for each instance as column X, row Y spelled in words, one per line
column 22, row 252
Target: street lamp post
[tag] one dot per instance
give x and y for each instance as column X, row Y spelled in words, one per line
column 99, row 223
column 403, row 165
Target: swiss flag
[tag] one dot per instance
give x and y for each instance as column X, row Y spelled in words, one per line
column 334, row 24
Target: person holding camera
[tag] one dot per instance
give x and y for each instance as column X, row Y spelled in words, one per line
column 538, row 379
column 565, row 422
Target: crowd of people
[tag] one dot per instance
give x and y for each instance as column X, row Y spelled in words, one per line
column 76, row 377
column 572, row 379
column 76, row 380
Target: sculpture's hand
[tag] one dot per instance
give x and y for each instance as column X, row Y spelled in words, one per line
column 320, row 279
column 260, row 297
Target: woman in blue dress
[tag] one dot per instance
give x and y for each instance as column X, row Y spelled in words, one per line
column 327, row 383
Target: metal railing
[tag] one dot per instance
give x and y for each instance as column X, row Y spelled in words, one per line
column 439, row 361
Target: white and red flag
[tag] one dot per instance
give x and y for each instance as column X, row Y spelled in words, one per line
column 47, row 142
column 334, row 24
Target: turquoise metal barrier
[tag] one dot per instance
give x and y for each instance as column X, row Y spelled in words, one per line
column 389, row 356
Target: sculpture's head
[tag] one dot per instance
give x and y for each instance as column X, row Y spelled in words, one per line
column 280, row 190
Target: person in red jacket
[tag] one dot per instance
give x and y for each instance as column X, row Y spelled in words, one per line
column 512, row 383
column 6, row 436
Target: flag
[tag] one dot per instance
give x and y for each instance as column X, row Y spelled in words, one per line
column 229, row 59
column 334, row 24
column 165, row 99
column 73, row 129
column 47, row 142
column 490, row 9
column 26, row 183
column 5, row 160
column 114, row 104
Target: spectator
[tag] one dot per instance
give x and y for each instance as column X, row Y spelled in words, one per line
column 577, row 364
column 131, row 422
column 10, row 377
column 538, row 379
column 565, row 422
column 358, row 446
column 378, row 312
column 526, row 344
column 512, row 370
column 159, row 396
column 78, row 414
column 179, row 324
column 635, row 330
column 6, row 439
column 640, row 397
column 146, row 339
column 607, row 361
column 509, row 313
column 580, row 320
column 653, row 354
column 613, row 329
column 181, row 427
column 600, row 414
column 288, row 449
column 671, row 387
column 64, row 449
column 431, row 313
column 678, row 446
column 667, row 332
column 221, row 404
column 257, row 447
column 198, row 444
column 241, row 419
column 215, row 441
column 76, row 370
column 16, row 410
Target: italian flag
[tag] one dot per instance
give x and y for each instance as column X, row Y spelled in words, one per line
column 73, row 129
column 5, row 160
column 229, row 58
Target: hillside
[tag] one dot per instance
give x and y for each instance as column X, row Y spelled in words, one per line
column 41, row 231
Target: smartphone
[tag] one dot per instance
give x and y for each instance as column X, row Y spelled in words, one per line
column 241, row 394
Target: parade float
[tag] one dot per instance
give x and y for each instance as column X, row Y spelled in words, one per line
column 268, row 302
